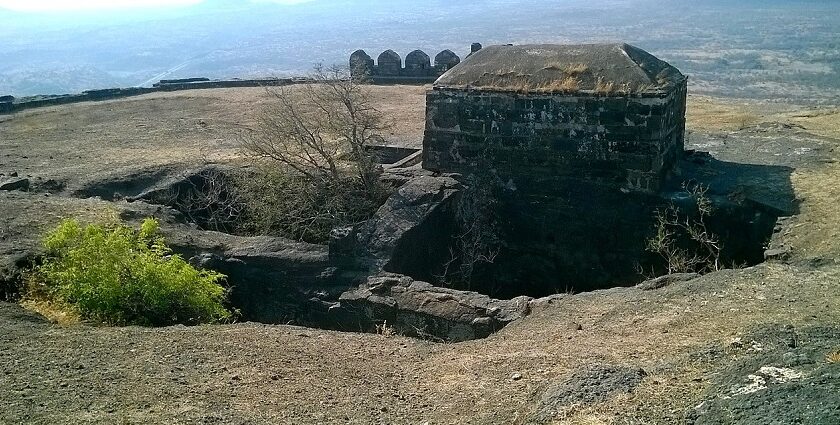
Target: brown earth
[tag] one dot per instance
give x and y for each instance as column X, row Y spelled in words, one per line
column 699, row 342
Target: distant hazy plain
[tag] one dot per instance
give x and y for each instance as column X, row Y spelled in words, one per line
column 782, row 50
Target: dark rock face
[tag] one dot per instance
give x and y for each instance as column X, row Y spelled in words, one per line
column 593, row 384
column 12, row 269
column 272, row 280
column 475, row 47
column 15, row 183
column 782, row 375
column 409, row 234
column 421, row 309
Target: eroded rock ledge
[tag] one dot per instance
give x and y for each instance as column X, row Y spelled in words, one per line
column 421, row 309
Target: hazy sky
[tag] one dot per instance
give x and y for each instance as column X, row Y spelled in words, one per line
column 41, row 6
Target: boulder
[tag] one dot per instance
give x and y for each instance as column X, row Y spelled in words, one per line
column 13, row 267
column 410, row 234
column 780, row 254
column 420, row 309
column 15, row 183
column 663, row 281
column 772, row 374
column 398, row 177
column 592, row 384
column 272, row 279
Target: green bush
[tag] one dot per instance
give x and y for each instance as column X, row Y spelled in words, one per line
column 121, row 276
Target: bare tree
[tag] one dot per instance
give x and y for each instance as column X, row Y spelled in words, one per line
column 685, row 242
column 313, row 128
column 312, row 170
column 209, row 198
column 477, row 240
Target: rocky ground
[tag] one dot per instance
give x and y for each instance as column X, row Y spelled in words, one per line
column 753, row 345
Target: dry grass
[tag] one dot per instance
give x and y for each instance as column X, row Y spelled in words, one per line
column 603, row 87
column 55, row 313
column 566, row 85
column 521, row 83
column 707, row 114
column 385, row 330
column 570, row 69
column 571, row 80
column 645, row 87
column 506, row 81
column 85, row 141
column 833, row 357
column 824, row 122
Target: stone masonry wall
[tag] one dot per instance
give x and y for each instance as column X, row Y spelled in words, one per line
column 623, row 141
column 577, row 178
column 389, row 68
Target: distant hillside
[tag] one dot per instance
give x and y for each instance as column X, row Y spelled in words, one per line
column 763, row 49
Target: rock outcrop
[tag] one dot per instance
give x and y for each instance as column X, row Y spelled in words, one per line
column 408, row 234
column 418, row 308
column 593, row 384
column 15, row 183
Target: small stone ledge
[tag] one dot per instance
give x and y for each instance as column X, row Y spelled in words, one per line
column 421, row 309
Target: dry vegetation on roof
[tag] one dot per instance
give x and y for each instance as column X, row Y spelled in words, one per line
column 571, row 81
column 603, row 87
column 566, row 85
column 571, row 69
column 523, row 83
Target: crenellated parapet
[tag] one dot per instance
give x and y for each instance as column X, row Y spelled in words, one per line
column 418, row 66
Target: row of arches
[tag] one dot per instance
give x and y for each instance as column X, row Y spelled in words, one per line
column 390, row 64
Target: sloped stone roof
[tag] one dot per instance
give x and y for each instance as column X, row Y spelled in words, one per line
column 597, row 68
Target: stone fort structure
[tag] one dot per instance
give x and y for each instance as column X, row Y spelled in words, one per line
column 418, row 65
column 579, row 140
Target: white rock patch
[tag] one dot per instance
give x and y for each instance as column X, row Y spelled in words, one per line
column 765, row 376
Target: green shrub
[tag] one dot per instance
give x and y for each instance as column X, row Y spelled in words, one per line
column 121, row 276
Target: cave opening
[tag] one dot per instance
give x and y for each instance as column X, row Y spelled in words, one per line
column 592, row 237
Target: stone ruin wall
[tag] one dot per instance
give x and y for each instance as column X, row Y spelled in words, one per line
column 10, row 104
column 6, row 104
column 418, row 66
column 579, row 175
